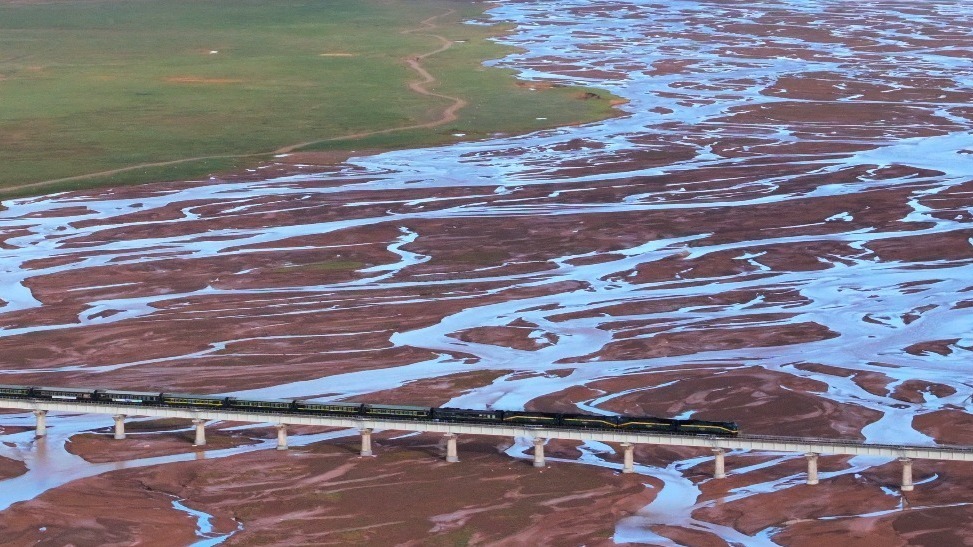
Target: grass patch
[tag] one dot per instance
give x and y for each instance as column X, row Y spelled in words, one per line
column 90, row 86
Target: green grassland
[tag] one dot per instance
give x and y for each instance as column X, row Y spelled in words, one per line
column 88, row 86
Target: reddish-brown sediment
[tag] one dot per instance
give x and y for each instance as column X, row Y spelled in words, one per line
column 99, row 448
column 923, row 517
column 316, row 495
column 264, row 313
column 754, row 397
column 98, row 511
column 952, row 426
column 10, row 468
column 435, row 391
column 872, row 382
column 490, row 500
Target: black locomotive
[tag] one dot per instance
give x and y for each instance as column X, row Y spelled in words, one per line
column 396, row 412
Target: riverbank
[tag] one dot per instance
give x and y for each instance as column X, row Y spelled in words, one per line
column 116, row 98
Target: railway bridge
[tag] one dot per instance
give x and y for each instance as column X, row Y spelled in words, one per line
column 811, row 448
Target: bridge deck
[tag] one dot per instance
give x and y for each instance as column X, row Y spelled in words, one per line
column 744, row 442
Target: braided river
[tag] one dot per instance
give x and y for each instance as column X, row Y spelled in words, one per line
column 776, row 230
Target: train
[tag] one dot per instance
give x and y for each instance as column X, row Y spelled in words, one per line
column 366, row 410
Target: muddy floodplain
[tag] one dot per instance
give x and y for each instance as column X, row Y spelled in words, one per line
column 778, row 232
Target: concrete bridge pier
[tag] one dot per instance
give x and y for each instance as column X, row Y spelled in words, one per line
column 451, row 453
column 119, row 426
column 41, row 429
column 906, row 474
column 366, row 442
column 720, row 465
column 812, row 467
column 200, row 432
column 628, row 452
column 281, row 437
column 538, row 452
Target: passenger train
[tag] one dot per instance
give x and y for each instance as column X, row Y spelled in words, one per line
column 365, row 410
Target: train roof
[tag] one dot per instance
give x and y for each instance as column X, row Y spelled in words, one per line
column 706, row 422
column 67, row 389
column 398, row 407
column 655, row 418
column 467, row 409
column 119, row 392
column 194, row 396
column 313, row 402
column 288, row 401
